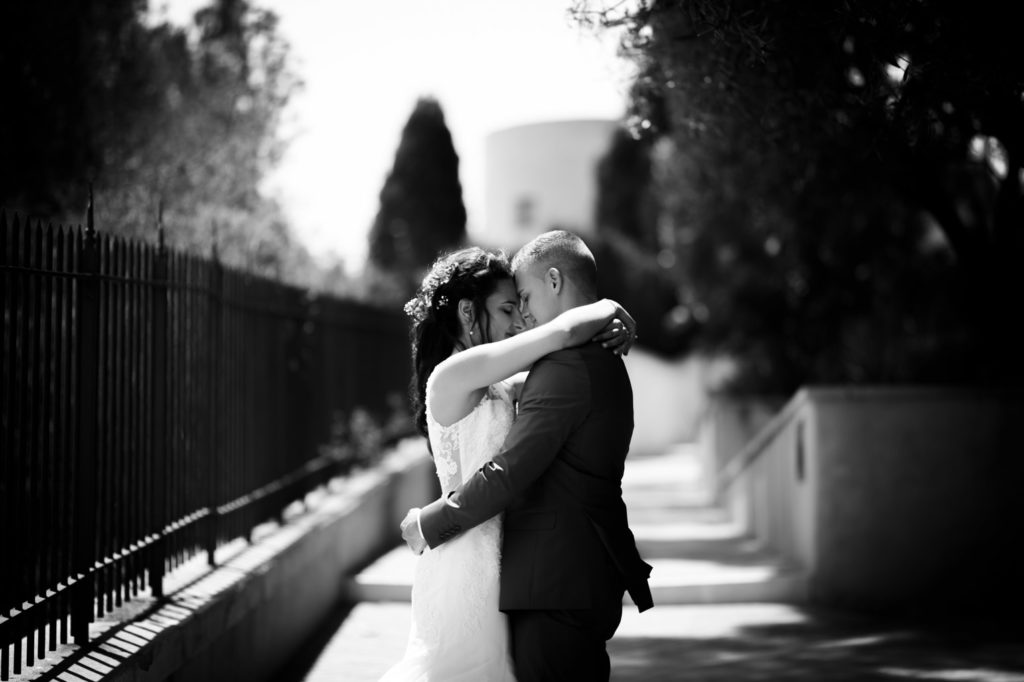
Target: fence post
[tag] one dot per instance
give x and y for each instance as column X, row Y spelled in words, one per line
column 87, row 403
column 10, row 575
column 215, row 456
column 158, row 470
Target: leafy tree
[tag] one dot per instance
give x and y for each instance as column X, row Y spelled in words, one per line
column 625, row 202
column 633, row 277
column 846, row 189
column 153, row 116
column 627, row 245
column 421, row 211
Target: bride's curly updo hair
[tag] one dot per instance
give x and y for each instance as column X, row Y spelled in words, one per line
column 471, row 273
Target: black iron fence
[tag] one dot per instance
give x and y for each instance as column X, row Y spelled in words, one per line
column 156, row 405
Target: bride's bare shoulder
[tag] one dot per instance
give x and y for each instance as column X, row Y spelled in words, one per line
column 447, row 407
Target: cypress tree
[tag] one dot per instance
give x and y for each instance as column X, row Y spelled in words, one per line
column 421, row 212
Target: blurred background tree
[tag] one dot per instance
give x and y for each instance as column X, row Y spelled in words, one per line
column 843, row 182
column 421, row 211
column 634, row 266
column 154, row 115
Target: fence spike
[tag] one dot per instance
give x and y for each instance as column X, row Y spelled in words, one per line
column 3, row 236
column 160, row 238
column 90, row 224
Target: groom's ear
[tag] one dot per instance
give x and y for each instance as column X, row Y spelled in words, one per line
column 553, row 279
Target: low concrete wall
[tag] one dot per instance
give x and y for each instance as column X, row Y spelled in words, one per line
column 919, row 495
column 243, row 620
column 668, row 400
column 891, row 497
column 732, row 422
column 770, row 491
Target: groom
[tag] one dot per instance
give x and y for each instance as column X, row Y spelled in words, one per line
column 568, row 554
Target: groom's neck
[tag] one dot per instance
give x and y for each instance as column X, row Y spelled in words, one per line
column 574, row 299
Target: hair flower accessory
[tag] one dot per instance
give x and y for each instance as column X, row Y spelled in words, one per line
column 415, row 309
column 419, row 306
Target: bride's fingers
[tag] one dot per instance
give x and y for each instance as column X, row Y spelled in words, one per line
column 613, row 331
column 612, row 339
column 613, row 336
column 619, row 345
column 617, row 336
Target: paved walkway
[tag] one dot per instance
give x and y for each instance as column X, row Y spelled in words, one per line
column 709, row 642
column 721, row 643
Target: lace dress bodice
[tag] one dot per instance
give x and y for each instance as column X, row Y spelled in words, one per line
column 463, row 447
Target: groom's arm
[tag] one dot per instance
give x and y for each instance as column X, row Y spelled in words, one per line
column 554, row 401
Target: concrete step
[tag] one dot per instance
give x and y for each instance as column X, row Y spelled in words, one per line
column 387, row 579
column 711, row 578
column 698, row 532
column 650, row 496
column 705, row 581
column 644, row 510
column 733, row 552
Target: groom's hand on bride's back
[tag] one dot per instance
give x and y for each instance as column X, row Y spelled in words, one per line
column 411, row 531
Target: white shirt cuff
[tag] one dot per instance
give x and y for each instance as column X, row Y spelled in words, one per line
column 418, row 526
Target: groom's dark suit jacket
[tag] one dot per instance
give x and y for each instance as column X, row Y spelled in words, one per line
column 558, row 477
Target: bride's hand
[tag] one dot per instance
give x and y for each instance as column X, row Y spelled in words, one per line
column 619, row 335
column 411, row 531
column 605, row 322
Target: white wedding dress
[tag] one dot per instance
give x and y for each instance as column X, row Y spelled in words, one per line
column 457, row 632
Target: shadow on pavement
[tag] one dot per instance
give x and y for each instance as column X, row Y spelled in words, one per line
column 302, row 661
column 825, row 649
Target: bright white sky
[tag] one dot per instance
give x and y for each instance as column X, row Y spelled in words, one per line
column 490, row 63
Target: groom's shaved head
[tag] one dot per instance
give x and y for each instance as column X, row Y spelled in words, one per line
column 564, row 251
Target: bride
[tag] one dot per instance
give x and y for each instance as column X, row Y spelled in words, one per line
column 469, row 360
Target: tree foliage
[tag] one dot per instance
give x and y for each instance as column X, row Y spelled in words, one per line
column 625, row 199
column 845, row 184
column 421, row 212
column 629, row 249
column 152, row 115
